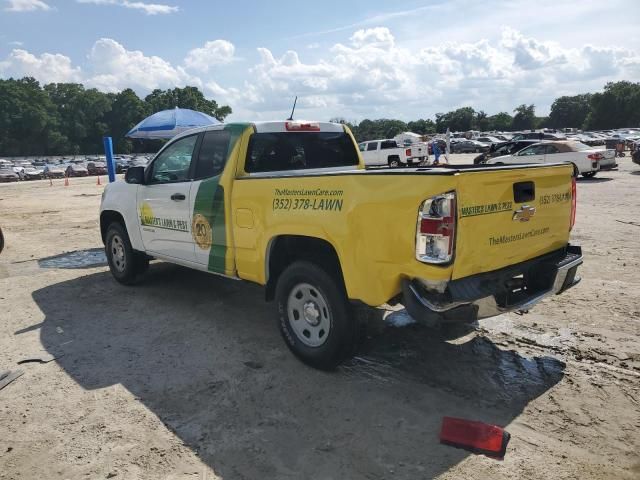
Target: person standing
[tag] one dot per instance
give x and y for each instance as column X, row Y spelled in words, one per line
column 436, row 152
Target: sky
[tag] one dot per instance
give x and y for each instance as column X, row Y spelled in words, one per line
column 352, row 59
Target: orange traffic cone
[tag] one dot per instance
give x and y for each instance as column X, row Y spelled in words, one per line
column 98, row 182
column 66, row 180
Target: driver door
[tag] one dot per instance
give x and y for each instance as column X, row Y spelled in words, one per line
column 532, row 154
column 164, row 202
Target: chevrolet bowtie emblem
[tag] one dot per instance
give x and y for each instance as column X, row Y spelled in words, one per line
column 524, row 213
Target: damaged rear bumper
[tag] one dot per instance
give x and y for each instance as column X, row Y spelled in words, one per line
column 514, row 288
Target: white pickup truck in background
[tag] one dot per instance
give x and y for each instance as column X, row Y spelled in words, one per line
column 389, row 152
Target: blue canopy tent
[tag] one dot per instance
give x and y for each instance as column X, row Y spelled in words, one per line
column 169, row 123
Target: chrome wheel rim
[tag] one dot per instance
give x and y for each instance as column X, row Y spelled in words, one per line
column 118, row 257
column 309, row 314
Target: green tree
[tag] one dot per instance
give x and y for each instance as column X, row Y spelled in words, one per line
column 570, row 111
column 617, row 107
column 500, row 122
column 524, row 118
column 187, row 97
column 422, row 126
column 481, row 121
column 127, row 109
column 80, row 114
column 28, row 123
column 460, row 120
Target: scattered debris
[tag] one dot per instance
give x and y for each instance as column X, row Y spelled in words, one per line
column 9, row 376
column 476, row 437
column 635, row 224
column 254, row 365
column 399, row 319
column 44, row 359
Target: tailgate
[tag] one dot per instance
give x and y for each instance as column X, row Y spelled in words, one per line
column 502, row 221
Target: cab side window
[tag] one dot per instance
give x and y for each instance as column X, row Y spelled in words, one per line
column 387, row 145
column 372, row 146
column 172, row 165
column 213, row 154
column 552, row 149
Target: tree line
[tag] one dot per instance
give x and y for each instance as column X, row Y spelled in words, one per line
column 618, row 106
column 69, row 119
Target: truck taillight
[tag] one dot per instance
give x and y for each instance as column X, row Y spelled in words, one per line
column 574, row 204
column 408, row 152
column 302, row 126
column 436, row 231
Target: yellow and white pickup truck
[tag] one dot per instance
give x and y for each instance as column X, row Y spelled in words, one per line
column 289, row 205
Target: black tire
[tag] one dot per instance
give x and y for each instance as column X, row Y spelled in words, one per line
column 394, row 162
column 308, row 294
column 589, row 174
column 126, row 264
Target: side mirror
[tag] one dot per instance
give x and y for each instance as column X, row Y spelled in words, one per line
column 134, row 175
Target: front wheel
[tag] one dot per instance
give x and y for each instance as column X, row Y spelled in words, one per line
column 125, row 263
column 314, row 316
column 589, row 174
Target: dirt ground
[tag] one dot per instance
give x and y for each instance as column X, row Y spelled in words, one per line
column 185, row 376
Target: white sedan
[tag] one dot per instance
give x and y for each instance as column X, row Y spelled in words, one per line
column 588, row 160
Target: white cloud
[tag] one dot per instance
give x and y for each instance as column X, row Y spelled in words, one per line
column 50, row 68
column 112, row 68
column 26, row 5
column 148, row 8
column 216, row 52
column 16, row 43
column 371, row 74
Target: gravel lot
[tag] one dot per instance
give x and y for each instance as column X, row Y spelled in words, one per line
column 185, row 376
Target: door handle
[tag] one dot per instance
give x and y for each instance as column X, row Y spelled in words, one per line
column 178, row 196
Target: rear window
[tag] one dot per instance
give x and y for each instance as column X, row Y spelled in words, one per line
column 273, row 152
column 579, row 146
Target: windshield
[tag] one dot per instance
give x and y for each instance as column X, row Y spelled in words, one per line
column 270, row 152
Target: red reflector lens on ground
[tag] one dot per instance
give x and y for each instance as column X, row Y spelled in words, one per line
column 477, row 437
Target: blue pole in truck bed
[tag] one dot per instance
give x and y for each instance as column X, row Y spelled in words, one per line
column 108, row 151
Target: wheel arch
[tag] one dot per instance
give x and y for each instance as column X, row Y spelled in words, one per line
column 107, row 217
column 283, row 250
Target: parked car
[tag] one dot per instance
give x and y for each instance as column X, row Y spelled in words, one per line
column 635, row 156
column 8, row 175
column 470, row 146
column 53, row 171
column 32, row 173
column 76, row 170
column 538, row 136
column 97, row 168
column 489, row 140
column 388, row 152
column 504, row 148
column 585, row 158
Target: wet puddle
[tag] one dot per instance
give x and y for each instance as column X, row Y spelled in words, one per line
column 93, row 257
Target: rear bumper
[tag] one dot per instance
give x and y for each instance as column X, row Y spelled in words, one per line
column 515, row 288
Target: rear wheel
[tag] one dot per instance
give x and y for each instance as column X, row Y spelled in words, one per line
column 394, row 162
column 314, row 316
column 125, row 263
column 589, row 174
